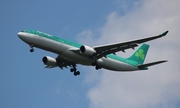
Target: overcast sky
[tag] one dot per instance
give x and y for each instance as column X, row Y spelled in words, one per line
column 24, row 82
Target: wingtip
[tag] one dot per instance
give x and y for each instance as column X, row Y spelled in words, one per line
column 165, row 33
column 165, row 60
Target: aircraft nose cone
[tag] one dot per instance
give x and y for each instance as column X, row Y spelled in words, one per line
column 23, row 36
column 19, row 34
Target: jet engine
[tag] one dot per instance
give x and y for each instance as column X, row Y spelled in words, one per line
column 86, row 50
column 49, row 61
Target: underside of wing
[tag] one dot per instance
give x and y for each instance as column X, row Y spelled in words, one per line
column 61, row 62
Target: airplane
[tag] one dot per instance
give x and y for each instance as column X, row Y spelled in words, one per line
column 103, row 56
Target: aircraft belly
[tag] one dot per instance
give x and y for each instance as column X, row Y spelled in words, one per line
column 77, row 58
column 115, row 65
column 29, row 38
column 48, row 44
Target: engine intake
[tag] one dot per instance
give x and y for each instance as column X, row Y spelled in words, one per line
column 49, row 61
column 86, row 50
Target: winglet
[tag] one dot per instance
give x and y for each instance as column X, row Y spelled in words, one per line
column 165, row 33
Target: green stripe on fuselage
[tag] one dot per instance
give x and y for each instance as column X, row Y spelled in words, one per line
column 45, row 35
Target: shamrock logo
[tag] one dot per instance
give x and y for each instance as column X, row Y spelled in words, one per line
column 140, row 54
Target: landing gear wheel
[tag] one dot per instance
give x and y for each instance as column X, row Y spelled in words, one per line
column 31, row 45
column 76, row 73
column 98, row 67
column 31, row 50
column 72, row 70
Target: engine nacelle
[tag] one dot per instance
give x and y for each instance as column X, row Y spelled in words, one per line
column 86, row 50
column 49, row 61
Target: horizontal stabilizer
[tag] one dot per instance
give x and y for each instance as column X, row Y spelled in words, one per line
column 144, row 66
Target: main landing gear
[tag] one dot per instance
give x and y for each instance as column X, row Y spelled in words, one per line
column 75, row 71
column 31, row 50
column 97, row 66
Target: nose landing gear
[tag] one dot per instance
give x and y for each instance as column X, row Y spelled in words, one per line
column 31, row 50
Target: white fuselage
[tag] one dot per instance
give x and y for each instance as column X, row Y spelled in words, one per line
column 66, row 52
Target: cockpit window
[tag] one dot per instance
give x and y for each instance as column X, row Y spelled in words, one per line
column 24, row 31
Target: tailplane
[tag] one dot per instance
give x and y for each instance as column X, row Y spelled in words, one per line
column 140, row 54
column 144, row 66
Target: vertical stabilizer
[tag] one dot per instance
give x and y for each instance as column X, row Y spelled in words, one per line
column 140, row 54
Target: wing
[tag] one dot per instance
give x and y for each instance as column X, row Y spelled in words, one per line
column 62, row 62
column 102, row 51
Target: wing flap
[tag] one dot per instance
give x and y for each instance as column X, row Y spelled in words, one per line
column 116, row 49
column 103, row 50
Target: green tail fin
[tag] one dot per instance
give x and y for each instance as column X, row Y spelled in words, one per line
column 140, row 54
